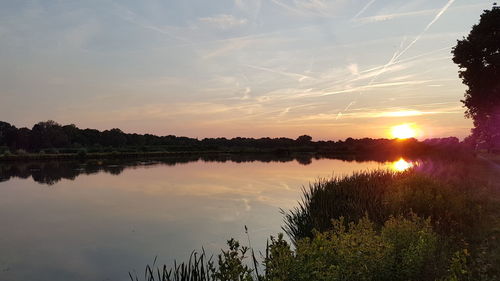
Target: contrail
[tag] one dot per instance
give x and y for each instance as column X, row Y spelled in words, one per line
column 300, row 76
column 399, row 54
column 441, row 12
column 364, row 9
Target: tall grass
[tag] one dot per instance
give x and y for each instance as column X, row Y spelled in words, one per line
column 380, row 194
column 197, row 268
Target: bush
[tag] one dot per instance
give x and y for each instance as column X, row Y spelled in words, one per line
column 402, row 250
column 231, row 264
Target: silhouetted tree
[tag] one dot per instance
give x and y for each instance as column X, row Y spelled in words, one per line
column 74, row 135
column 113, row 137
column 304, row 139
column 478, row 56
column 7, row 134
column 22, row 139
column 48, row 134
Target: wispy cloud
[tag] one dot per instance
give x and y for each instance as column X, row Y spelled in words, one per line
column 128, row 15
column 300, row 77
column 319, row 8
column 363, row 9
column 224, row 21
column 373, row 114
column 393, row 16
column 385, row 17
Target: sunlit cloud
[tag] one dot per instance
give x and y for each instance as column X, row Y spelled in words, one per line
column 381, row 114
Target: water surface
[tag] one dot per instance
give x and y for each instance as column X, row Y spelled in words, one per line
column 98, row 220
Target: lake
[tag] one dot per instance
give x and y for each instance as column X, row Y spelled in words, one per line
column 98, row 220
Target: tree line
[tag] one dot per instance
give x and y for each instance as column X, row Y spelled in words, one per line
column 52, row 137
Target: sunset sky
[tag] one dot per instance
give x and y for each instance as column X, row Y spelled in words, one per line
column 199, row 68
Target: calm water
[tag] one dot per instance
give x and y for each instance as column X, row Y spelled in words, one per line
column 99, row 220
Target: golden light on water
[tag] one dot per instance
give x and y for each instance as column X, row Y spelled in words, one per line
column 404, row 131
column 401, row 165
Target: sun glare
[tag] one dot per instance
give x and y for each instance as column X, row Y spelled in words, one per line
column 404, row 131
column 401, row 165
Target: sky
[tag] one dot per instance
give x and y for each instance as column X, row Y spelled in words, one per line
column 252, row 68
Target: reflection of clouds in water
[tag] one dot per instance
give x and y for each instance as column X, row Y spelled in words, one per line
column 164, row 209
column 284, row 185
column 246, row 203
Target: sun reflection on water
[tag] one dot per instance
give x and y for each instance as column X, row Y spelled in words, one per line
column 401, row 165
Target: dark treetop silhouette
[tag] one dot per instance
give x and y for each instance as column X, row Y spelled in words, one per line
column 478, row 56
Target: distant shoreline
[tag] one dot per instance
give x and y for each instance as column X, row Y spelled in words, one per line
column 150, row 154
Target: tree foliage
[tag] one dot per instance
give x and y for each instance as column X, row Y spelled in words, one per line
column 478, row 56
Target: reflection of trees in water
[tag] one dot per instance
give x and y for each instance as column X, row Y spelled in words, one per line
column 51, row 172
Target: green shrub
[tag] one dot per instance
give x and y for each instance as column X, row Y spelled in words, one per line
column 402, row 250
column 231, row 265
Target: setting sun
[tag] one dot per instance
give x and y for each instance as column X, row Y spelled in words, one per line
column 404, row 131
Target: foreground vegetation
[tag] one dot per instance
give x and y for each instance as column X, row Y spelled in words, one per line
column 433, row 222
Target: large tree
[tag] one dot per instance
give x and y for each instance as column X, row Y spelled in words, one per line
column 478, row 56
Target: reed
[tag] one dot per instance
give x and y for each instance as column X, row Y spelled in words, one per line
column 454, row 206
column 199, row 267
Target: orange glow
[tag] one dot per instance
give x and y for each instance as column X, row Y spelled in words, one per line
column 401, row 165
column 404, row 131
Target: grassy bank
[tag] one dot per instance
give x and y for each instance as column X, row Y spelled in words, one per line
column 438, row 221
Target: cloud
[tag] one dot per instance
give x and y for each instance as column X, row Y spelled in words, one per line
column 353, row 68
column 79, row 36
column 370, row 114
column 363, row 9
column 392, row 16
column 320, row 8
column 300, row 77
column 224, row 21
column 129, row 16
column 385, row 17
